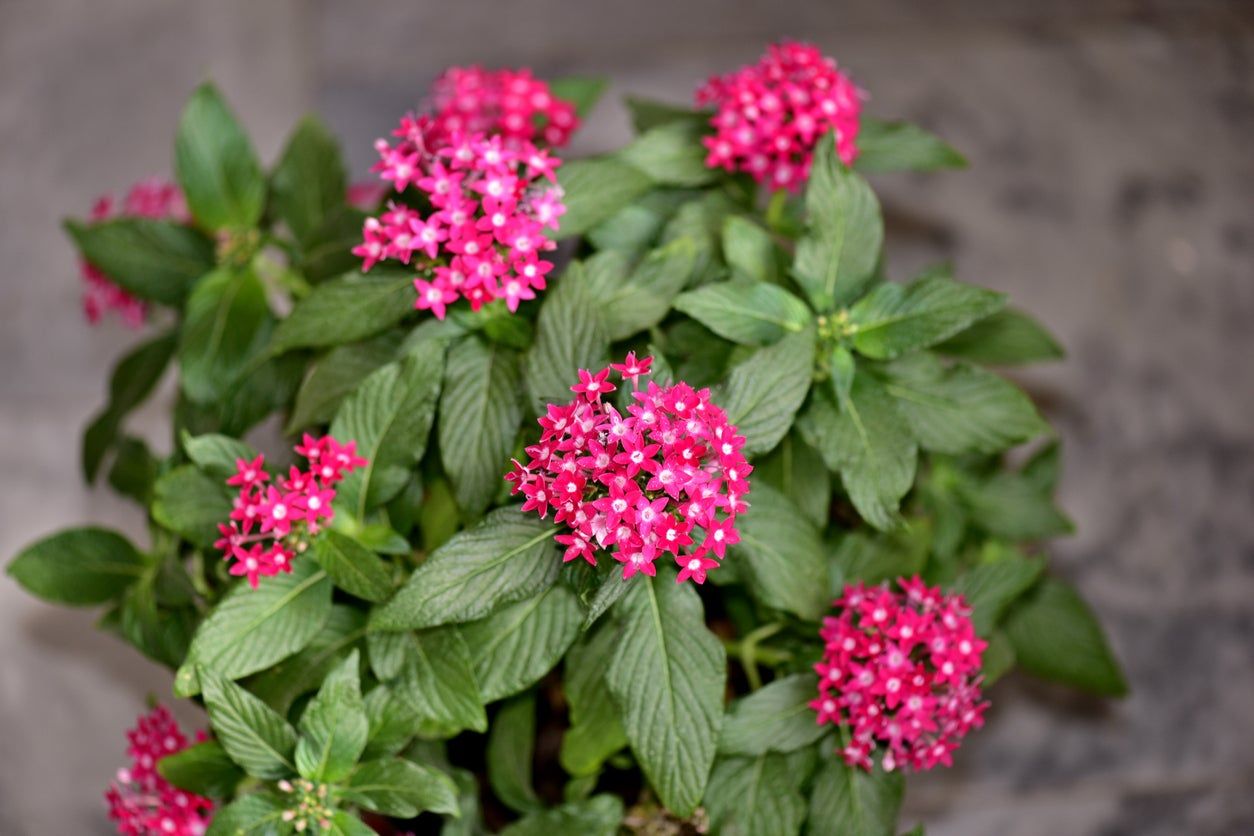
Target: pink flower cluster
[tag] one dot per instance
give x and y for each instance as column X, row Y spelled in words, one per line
column 901, row 671
column 770, row 115
column 491, row 191
column 652, row 482
column 512, row 103
column 272, row 523
column 151, row 198
column 143, row 803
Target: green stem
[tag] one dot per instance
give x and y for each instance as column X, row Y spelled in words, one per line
column 775, row 210
column 750, row 653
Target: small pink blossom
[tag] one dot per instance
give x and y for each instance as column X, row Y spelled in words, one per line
column 652, row 482
column 141, row 802
column 770, row 115
column 270, row 522
column 901, row 672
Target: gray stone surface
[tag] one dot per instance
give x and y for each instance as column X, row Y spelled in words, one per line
column 1110, row 194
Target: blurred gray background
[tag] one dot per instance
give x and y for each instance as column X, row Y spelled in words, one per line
column 1112, row 150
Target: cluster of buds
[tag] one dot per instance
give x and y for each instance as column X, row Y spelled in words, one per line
column 272, row 521
column 666, row 478
column 141, row 802
column 151, row 198
column 770, row 115
column 487, row 191
column 311, row 809
column 901, row 671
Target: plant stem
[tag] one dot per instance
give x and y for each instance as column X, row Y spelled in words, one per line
column 749, row 652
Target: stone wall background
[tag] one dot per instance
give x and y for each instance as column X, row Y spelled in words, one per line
column 1112, row 151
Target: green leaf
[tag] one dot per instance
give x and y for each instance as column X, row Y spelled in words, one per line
column 258, row 814
column 634, row 300
column 251, row 629
column 595, row 731
column 353, row 567
column 345, row 310
column 582, row 91
column 333, row 728
column 216, row 454
column 990, row 588
column 749, row 250
column 1009, row 505
column 796, row 470
column 872, row 557
column 280, row 685
column 633, row 229
column 612, row 587
column 78, row 566
column 511, row 747
column 215, row 164
column 202, row 768
column 505, row 558
column 336, row 375
column 671, row 154
column 782, row 556
column 758, row 796
column 746, row 312
column 667, row 675
column 518, row 644
column 569, row 337
column 392, row 722
column 868, row 442
column 191, row 504
column 252, row 733
column 647, row 114
column 347, row 824
column 999, row 658
column 600, row 815
column 901, row 146
column 1056, row 636
column 764, row 392
column 132, row 381
column 227, row 323
column 479, row 417
column 134, row 470
column 401, row 788
column 390, row 417
column 836, row 258
column 595, row 189
column 437, row 677
column 1005, row 338
column 150, row 259
column 328, row 251
column 776, row 718
column 309, row 180
column 893, row 319
column 961, row 409
column 847, row 801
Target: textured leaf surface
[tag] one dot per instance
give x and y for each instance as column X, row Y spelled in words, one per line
column 336, row 375
column 595, row 730
column 849, row 802
column 667, row 676
column 402, row 788
column 333, row 727
column 746, row 312
column 250, row 731
column 837, row 255
column 503, row 559
column 758, row 796
column 226, row 324
column 1006, row 338
column 150, row 259
column 436, row 675
column 78, row 566
column 352, row 567
column 345, row 310
column 639, row 298
column 763, row 393
column 216, row 166
column 901, row 146
column 251, row 629
column 776, row 718
column 202, row 768
column 782, row 556
column 893, row 319
column 511, row 747
column 516, row 645
column 596, row 816
column 869, row 443
column 989, row 588
column 596, row 189
column 479, row 417
column 191, row 504
column 309, row 180
column 569, row 337
column 1056, row 636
